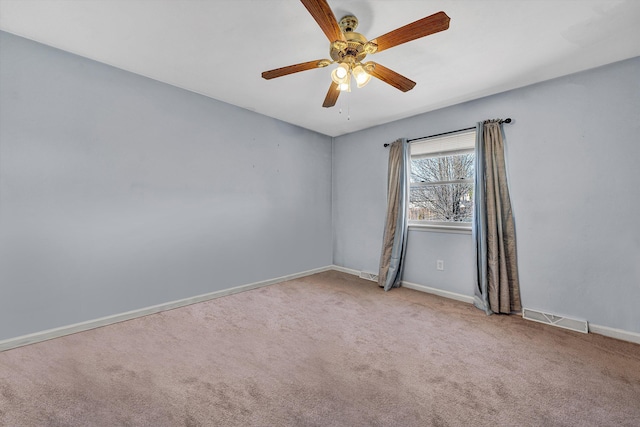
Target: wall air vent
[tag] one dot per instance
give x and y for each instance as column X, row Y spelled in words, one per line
column 559, row 321
column 369, row 276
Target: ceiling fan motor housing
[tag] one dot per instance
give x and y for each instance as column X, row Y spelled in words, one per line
column 356, row 46
column 350, row 51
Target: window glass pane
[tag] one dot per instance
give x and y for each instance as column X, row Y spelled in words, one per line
column 445, row 168
column 441, row 180
column 442, row 202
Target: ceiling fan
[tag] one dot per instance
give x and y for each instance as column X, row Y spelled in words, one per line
column 349, row 48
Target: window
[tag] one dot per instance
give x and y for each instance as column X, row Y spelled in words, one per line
column 442, row 176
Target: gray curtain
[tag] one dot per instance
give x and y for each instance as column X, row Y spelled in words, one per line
column 498, row 289
column 395, row 229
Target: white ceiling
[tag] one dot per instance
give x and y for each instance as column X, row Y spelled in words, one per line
column 219, row 48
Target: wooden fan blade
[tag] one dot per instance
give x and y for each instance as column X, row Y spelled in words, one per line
column 325, row 18
column 332, row 95
column 389, row 76
column 304, row 66
column 420, row 28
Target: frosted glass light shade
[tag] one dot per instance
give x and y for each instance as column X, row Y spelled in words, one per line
column 346, row 84
column 361, row 76
column 339, row 74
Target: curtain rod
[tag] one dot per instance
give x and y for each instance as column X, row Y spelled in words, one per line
column 507, row 120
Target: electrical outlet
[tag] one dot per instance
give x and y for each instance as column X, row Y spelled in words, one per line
column 440, row 265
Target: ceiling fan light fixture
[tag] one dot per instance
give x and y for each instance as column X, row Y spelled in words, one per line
column 335, row 78
column 345, row 84
column 361, row 76
column 342, row 77
column 342, row 71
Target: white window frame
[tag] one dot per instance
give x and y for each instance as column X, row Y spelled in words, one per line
column 461, row 142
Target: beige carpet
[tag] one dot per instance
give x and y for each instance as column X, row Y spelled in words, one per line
column 325, row 350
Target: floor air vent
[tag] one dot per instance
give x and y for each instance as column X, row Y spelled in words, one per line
column 369, row 276
column 559, row 321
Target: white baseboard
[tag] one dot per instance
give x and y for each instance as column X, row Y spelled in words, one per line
column 346, row 270
column 108, row 320
column 121, row 317
column 620, row 334
column 447, row 294
column 415, row 286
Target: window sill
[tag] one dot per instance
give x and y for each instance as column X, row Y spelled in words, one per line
column 455, row 229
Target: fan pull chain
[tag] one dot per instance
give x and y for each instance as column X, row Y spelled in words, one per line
column 341, row 101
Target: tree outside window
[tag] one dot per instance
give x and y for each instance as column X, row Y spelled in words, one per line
column 441, row 185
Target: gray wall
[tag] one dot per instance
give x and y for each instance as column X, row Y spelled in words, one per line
column 572, row 152
column 118, row 192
